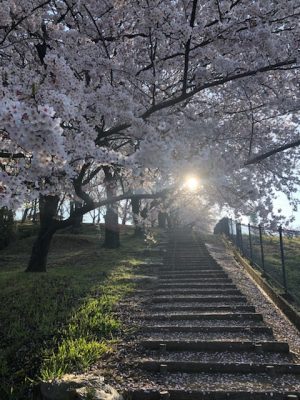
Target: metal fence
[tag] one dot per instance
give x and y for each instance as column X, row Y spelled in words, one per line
column 276, row 252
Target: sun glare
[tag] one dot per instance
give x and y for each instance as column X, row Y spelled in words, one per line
column 191, row 183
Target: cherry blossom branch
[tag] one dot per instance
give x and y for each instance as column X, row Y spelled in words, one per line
column 15, row 25
column 91, row 206
column 4, row 154
column 217, row 82
column 185, row 96
column 188, row 47
column 270, row 153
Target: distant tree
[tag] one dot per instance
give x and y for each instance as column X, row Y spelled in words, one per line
column 7, row 227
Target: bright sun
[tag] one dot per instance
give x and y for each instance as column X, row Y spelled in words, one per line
column 191, row 183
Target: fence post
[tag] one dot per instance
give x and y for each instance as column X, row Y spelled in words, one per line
column 261, row 248
column 231, row 228
column 241, row 233
column 237, row 234
column 250, row 244
column 282, row 259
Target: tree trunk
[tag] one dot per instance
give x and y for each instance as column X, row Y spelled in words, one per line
column 162, row 217
column 169, row 221
column 35, row 213
column 39, row 254
column 24, row 216
column 74, row 206
column 125, row 213
column 135, row 205
column 112, row 230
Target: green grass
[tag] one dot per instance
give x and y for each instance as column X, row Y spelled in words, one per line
column 292, row 262
column 273, row 265
column 61, row 321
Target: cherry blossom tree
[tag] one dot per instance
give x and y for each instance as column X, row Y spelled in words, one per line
column 145, row 86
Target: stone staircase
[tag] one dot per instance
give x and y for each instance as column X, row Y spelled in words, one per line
column 199, row 338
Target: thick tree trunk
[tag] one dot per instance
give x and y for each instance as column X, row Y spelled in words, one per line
column 74, row 206
column 39, row 254
column 135, row 205
column 35, row 213
column 162, row 219
column 112, row 230
column 169, row 221
column 124, row 218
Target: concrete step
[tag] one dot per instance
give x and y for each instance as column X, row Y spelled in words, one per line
column 193, row 274
column 203, row 280
column 203, row 317
column 241, row 336
column 215, row 346
column 207, row 329
column 175, row 291
column 194, row 299
column 198, row 308
column 173, row 394
column 191, row 269
column 196, row 286
column 198, row 275
column 164, row 367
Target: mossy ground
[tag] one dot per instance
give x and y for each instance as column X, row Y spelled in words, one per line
column 62, row 320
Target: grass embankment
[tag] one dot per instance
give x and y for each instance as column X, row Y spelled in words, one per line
column 61, row 321
column 273, row 265
column 292, row 262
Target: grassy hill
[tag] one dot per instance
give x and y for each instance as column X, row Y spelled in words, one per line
column 60, row 321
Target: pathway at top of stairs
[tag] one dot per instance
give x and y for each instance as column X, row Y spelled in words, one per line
column 195, row 335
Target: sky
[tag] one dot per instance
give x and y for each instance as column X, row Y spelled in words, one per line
column 282, row 202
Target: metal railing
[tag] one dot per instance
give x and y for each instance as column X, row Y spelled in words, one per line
column 276, row 252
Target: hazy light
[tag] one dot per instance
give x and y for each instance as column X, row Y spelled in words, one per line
column 191, row 183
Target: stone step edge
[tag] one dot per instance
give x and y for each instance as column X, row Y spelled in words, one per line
column 215, row 345
column 168, row 286
column 195, row 274
column 194, row 299
column 200, row 279
column 164, row 367
column 206, row 329
column 176, row 291
column 171, row 394
column 227, row 307
column 205, row 317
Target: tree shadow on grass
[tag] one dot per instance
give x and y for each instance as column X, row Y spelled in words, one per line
column 59, row 321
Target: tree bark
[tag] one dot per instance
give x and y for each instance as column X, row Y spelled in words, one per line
column 162, row 219
column 112, row 230
column 74, row 206
column 39, row 254
column 24, row 216
column 124, row 218
column 135, row 206
column 35, row 213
